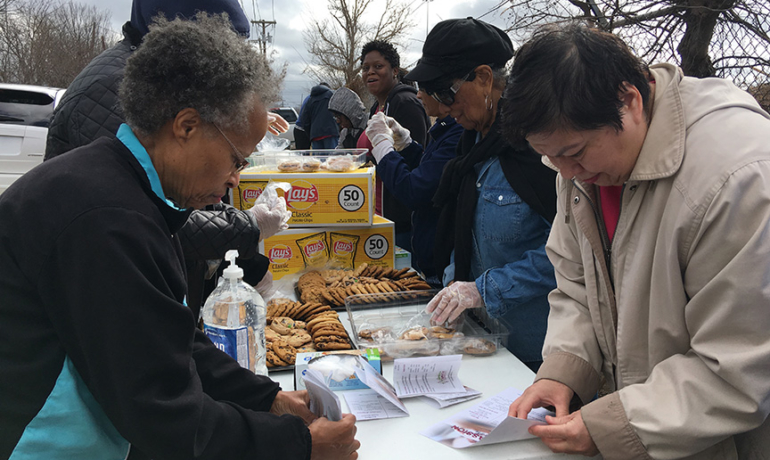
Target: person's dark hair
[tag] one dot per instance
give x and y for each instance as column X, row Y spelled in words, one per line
column 569, row 76
column 202, row 64
column 323, row 83
column 401, row 73
column 387, row 50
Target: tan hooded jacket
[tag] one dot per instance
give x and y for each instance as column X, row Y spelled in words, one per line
column 677, row 325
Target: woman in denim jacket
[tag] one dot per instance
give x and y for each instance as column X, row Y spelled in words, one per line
column 497, row 201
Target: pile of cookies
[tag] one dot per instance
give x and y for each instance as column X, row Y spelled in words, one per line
column 332, row 287
column 296, row 327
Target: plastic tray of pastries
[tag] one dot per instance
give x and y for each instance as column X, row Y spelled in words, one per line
column 399, row 329
column 308, row 161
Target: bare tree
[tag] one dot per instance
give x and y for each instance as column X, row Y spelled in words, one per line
column 728, row 38
column 335, row 44
column 48, row 42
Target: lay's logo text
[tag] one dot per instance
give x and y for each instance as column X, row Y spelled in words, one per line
column 343, row 247
column 252, row 193
column 302, row 195
column 314, row 248
column 280, row 254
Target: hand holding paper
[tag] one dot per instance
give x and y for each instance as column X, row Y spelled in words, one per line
column 567, row 435
column 543, row 393
column 294, row 403
column 323, row 401
column 486, row 423
column 334, row 440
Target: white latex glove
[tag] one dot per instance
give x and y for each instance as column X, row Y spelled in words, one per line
column 401, row 136
column 381, row 135
column 453, row 300
column 265, row 286
column 276, row 123
column 271, row 220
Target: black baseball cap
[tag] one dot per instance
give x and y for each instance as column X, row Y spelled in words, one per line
column 458, row 45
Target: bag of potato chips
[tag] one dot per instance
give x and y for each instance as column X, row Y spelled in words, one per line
column 314, row 250
column 342, row 253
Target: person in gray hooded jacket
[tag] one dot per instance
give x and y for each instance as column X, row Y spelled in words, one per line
column 350, row 114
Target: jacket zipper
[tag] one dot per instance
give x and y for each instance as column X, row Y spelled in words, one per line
column 606, row 245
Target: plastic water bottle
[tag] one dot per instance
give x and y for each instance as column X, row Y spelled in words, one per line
column 234, row 318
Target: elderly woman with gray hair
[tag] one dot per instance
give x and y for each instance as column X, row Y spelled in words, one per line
column 101, row 357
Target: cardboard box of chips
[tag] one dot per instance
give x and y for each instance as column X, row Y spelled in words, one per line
column 296, row 249
column 316, row 199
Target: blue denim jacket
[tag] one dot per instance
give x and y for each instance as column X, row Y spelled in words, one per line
column 512, row 272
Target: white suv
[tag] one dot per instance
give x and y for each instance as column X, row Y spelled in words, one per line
column 25, row 113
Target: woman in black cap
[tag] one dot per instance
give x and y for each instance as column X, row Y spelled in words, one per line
column 380, row 66
column 497, row 200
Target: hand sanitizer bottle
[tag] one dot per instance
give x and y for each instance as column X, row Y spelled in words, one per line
column 234, row 318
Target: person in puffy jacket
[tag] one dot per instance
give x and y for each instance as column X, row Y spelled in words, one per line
column 317, row 120
column 90, row 109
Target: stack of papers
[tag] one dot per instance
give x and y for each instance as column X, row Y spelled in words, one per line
column 434, row 377
column 427, row 376
column 450, row 399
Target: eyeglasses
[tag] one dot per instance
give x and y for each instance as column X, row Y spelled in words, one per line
column 447, row 96
column 239, row 160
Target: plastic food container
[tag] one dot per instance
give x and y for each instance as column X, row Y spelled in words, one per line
column 308, row 161
column 399, row 328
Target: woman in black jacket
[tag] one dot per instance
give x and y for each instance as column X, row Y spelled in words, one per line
column 380, row 64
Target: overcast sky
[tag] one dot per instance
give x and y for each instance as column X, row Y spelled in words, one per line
column 291, row 17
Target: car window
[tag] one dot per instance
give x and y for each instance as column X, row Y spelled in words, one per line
column 25, row 107
column 287, row 114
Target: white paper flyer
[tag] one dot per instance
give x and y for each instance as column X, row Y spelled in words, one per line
column 377, row 382
column 428, row 375
column 323, row 401
column 368, row 405
column 486, row 423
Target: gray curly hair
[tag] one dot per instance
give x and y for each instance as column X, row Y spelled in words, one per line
column 201, row 64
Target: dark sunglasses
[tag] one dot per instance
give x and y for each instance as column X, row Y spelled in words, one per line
column 447, row 96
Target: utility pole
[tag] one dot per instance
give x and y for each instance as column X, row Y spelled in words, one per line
column 427, row 16
column 264, row 33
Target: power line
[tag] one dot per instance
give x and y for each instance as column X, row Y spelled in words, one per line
column 255, row 8
column 264, row 32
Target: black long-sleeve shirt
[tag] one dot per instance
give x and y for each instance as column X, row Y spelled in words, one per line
column 97, row 351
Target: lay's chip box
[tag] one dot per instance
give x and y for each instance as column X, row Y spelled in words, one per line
column 316, row 199
column 295, row 249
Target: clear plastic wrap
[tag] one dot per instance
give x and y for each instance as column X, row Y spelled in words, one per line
column 309, row 161
column 402, row 329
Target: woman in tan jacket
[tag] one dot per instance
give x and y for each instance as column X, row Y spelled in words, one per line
column 658, row 328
